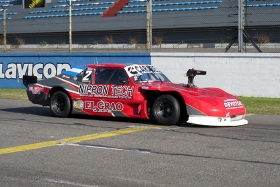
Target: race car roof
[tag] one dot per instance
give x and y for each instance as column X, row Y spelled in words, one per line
column 76, row 70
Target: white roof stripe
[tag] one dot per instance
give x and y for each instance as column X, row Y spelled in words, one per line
column 76, row 70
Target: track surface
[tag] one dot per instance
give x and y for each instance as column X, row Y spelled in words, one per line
column 37, row 149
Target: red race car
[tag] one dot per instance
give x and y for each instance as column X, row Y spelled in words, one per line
column 135, row 91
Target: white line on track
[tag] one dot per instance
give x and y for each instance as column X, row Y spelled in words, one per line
column 108, row 148
column 68, row 183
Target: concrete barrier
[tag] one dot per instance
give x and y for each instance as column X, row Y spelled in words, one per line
column 242, row 74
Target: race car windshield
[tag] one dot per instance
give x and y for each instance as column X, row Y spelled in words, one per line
column 151, row 77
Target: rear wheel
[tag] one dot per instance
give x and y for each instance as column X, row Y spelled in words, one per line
column 60, row 104
column 166, row 110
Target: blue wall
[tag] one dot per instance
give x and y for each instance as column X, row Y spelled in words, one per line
column 44, row 65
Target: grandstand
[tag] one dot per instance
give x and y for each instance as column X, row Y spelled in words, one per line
column 175, row 20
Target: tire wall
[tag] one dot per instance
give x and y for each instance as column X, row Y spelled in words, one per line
column 254, row 74
column 45, row 65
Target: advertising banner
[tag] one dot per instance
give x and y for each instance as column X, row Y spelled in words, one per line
column 46, row 65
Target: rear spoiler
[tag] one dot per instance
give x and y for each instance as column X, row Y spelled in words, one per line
column 26, row 79
column 191, row 73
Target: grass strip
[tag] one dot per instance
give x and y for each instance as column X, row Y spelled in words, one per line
column 17, row 94
column 260, row 105
column 254, row 105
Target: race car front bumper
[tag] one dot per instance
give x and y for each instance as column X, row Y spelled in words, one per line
column 217, row 121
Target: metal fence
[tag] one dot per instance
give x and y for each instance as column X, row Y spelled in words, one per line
column 251, row 26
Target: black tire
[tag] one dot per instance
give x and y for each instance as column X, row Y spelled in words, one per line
column 60, row 104
column 166, row 110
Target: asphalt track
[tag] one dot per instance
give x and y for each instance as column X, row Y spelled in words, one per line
column 37, row 149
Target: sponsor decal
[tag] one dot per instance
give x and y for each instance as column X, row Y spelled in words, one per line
column 35, row 89
column 93, row 90
column 65, row 76
column 140, row 69
column 115, row 91
column 228, row 115
column 40, row 70
column 78, row 105
column 125, row 92
column 103, row 106
column 145, row 87
column 87, row 76
column 232, row 104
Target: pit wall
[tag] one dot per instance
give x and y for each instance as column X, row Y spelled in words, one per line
column 254, row 74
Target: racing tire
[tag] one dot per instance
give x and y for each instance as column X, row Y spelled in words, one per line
column 60, row 104
column 166, row 110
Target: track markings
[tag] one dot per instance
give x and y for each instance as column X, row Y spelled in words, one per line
column 71, row 140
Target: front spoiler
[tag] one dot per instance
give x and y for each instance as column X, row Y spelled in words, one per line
column 215, row 121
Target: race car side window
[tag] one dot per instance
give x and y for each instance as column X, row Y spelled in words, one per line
column 119, row 77
column 110, row 76
column 102, row 75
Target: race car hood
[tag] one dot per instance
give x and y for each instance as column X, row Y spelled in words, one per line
column 192, row 91
column 203, row 101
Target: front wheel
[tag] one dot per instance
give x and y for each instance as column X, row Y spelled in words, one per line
column 166, row 110
column 60, row 104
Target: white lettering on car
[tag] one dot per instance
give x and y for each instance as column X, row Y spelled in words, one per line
column 86, row 90
column 86, row 77
column 103, row 106
column 140, row 69
column 117, row 91
column 231, row 104
column 36, row 89
column 122, row 91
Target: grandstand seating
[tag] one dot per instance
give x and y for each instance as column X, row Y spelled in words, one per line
column 168, row 16
column 104, row 8
column 9, row 13
column 263, row 5
column 6, row 4
column 132, row 6
column 8, row 18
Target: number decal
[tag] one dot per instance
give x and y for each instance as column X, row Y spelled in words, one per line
column 87, row 76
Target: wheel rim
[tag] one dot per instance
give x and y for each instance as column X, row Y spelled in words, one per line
column 164, row 109
column 59, row 104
